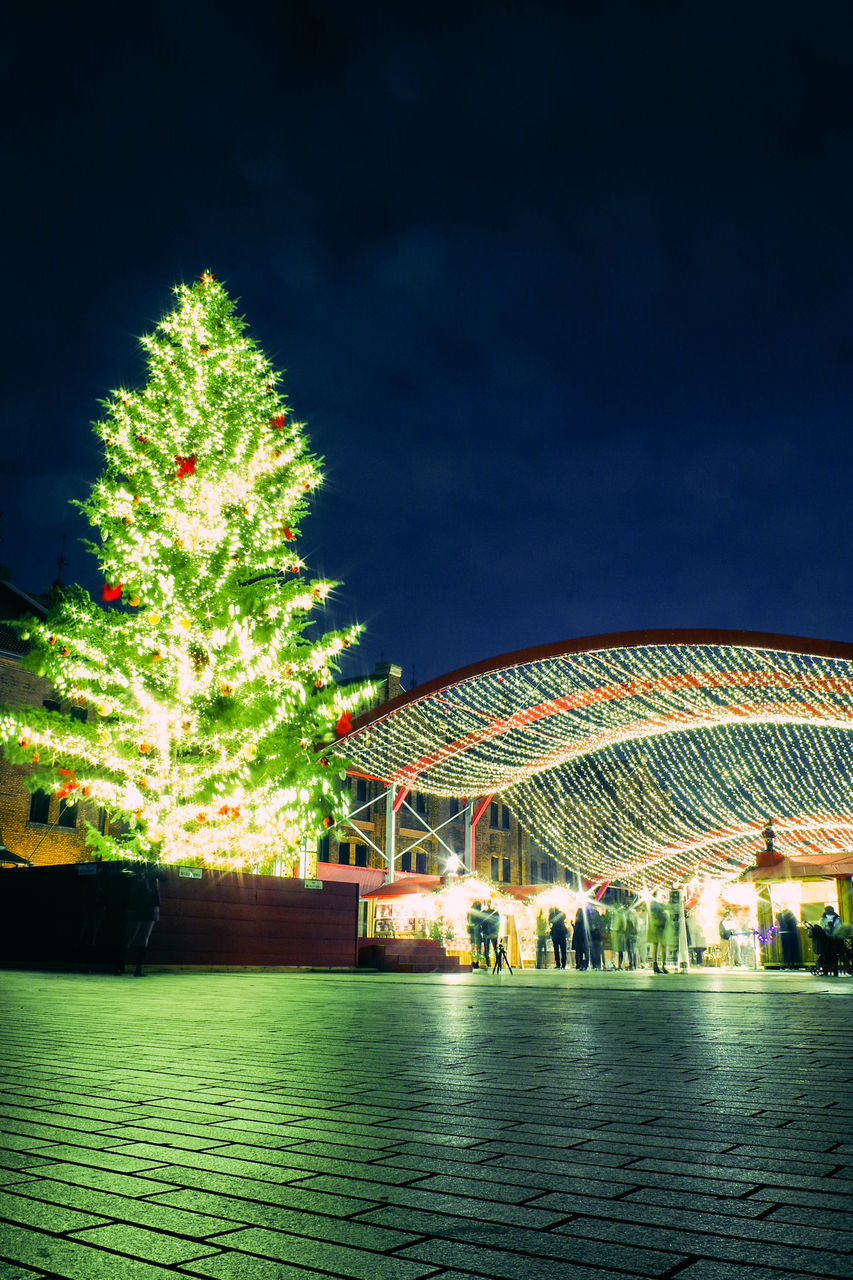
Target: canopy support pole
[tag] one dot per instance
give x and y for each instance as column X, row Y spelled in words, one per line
column 472, row 817
column 391, row 807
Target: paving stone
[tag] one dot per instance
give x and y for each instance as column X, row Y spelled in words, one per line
column 498, row 1235
column 691, row 1202
column 830, row 1219
column 449, row 1202
column 327, row 1151
column 706, row 1270
column 338, row 1259
column 15, row 1142
column 138, row 1242
column 71, row 1259
column 429, row 1155
column 828, row 1199
column 14, row 1165
column 504, row 1265
column 96, row 1157
column 775, row 1177
column 243, row 1201
column 237, row 1266
column 187, row 1142
column 101, row 1179
column 815, row 1260
column 31, row 1213
column 254, row 1162
column 125, row 1208
column 691, row 1220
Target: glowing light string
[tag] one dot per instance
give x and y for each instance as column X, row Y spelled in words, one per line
column 729, row 735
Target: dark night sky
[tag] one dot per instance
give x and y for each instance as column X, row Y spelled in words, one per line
column 562, row 290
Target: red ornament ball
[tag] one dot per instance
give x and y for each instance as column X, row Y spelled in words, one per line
column 344, row 724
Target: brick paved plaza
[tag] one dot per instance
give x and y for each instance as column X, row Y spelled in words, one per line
column 543, row 1126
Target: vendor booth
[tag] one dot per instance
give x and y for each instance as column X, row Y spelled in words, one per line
column 791, row 895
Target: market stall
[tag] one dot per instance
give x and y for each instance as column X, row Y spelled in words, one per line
column 791, row 895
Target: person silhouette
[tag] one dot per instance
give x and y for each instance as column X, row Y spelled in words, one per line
column 656, row 935
column 559, row 935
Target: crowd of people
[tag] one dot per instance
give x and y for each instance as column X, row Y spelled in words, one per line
column 628, row 937
column 598, row 937
column 658, row 935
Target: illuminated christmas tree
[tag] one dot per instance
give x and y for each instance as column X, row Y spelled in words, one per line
column 207, row 701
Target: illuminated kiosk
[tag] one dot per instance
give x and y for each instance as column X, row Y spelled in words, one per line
column 643, row 759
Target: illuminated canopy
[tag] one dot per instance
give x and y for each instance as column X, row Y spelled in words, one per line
column 639, row 758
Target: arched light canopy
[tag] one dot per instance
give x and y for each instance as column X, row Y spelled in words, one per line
column 640, row 758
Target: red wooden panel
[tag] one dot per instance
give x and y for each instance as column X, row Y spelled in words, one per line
column 220, row 918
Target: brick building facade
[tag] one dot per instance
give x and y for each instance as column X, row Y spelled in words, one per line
column 36, row 827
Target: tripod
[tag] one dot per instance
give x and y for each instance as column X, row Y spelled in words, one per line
column 501, row 960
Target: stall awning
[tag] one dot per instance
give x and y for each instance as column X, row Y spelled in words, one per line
column 830, row 865
column 402, row 888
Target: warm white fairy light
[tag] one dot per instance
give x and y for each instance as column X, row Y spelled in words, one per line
column 207, row 703
column 644, row 760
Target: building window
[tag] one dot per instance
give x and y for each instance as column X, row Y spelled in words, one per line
column 454, row 807
column 79, row 713
column 494, row 815
column 361, row 855
column 507, row 874
column 67, row 814
column 505, row 818
column 343, row 854
column 361, row 790
column 50, row 704
column 406, row 861
column 322, row 849
column 534, row 871
column 102, row 821
column 495, row 868
column 419, row 802
column 421, row 863
column 40, row 807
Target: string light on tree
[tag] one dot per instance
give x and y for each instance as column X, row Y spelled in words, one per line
column 211, row 684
